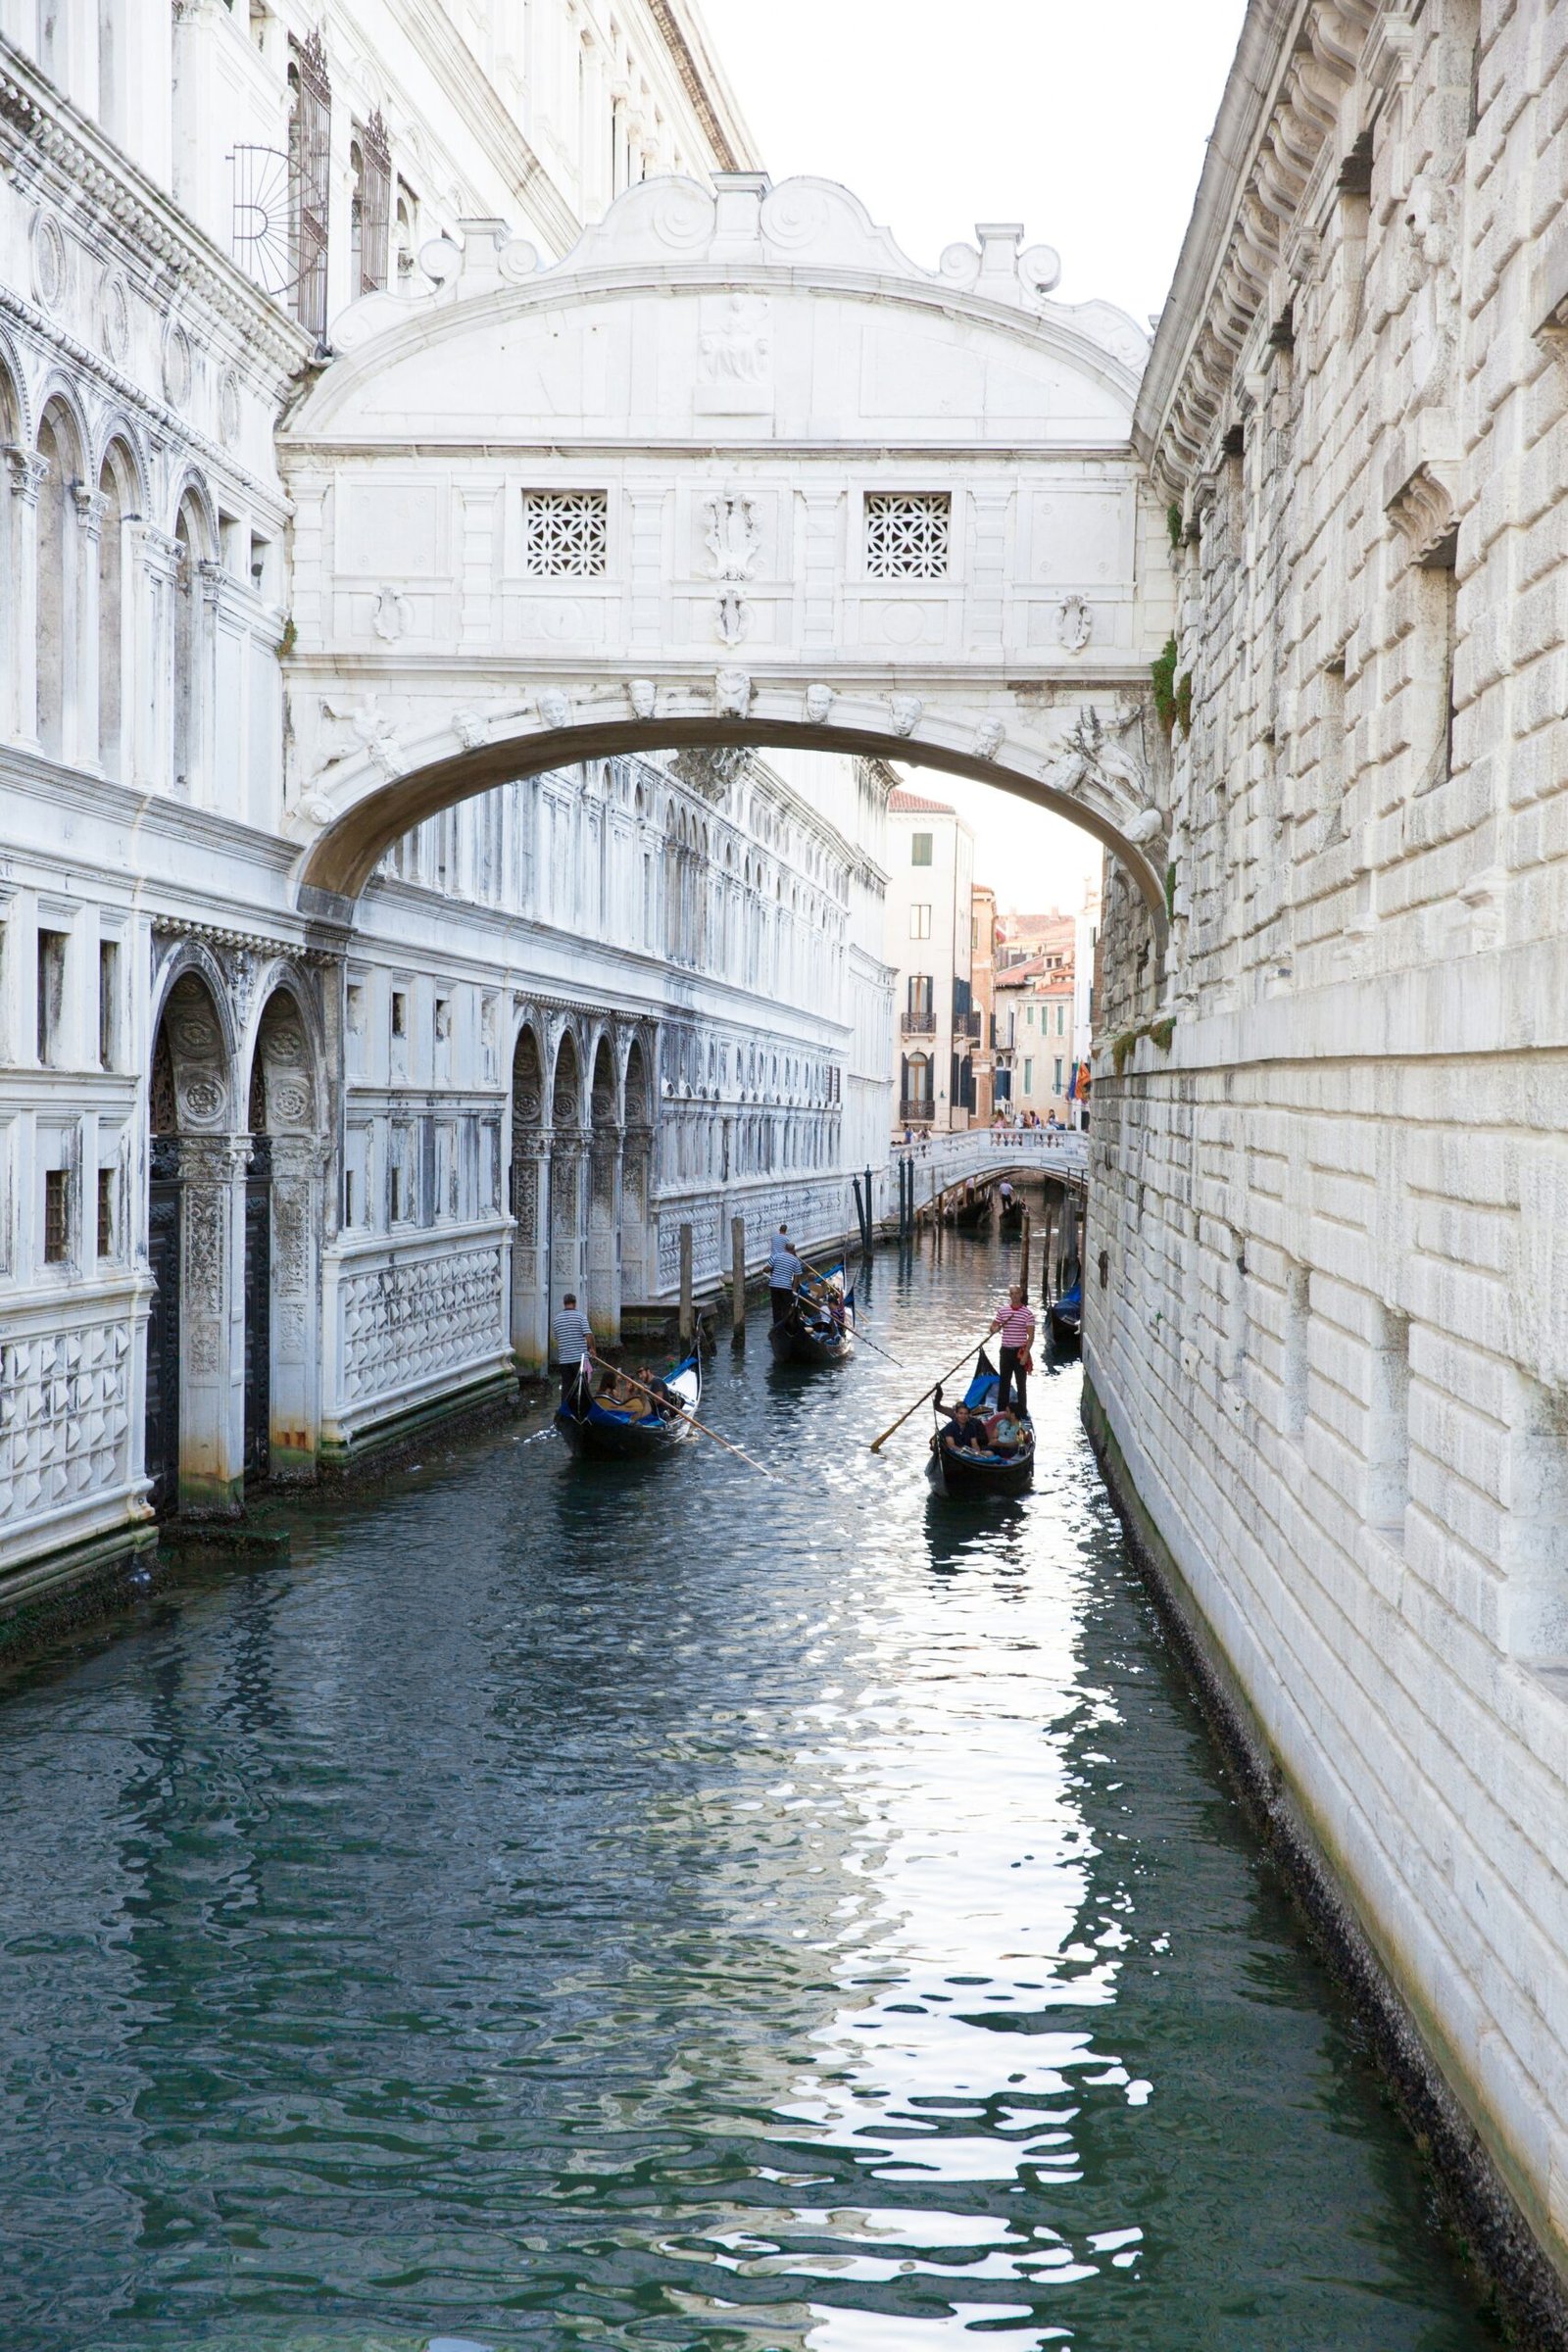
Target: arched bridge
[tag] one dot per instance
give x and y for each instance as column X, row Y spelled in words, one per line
column 734, row 473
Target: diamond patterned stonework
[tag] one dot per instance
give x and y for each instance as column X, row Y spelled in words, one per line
column 907, row 534
column 565, row 534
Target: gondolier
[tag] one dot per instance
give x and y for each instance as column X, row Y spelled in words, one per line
column 573, row 1340
column 784, row 1271
column 1014, row 1323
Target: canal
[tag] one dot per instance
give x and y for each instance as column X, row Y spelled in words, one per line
column 562, row 1909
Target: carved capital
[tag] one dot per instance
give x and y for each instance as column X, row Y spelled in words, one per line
column 28, row 473
column 91, row 507
column 1422, row 507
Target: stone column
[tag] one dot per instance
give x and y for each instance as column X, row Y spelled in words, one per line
column 530, row 1193
column 603, row 1238
column 212, row 1319
column 568, row 1152
column 150, row 673
column 294, row 1406
column 636, row 1240
column 83, row 691
column 28, row 473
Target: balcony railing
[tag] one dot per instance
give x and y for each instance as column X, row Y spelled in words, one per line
column 967, row 1024
column 916, row 1108
column 919, row 1024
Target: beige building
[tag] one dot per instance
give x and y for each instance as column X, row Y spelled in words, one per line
column 929, row 943
column 1035, row 1029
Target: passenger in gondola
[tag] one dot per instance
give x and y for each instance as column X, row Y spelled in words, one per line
column 1007, row 1433
column 964, row 1429
column 609, row 1389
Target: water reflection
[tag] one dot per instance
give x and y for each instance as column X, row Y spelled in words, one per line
column 567, row 1909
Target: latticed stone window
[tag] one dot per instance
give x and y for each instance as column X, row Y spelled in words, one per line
column 907, row 534
column 566, row 534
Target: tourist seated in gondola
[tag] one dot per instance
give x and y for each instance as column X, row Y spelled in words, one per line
column 966, row 1429
column 1007, row 1433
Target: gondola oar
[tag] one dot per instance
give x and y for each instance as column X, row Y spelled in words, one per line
column 877, row 1443
column 825, row 1280
column 667, row 1405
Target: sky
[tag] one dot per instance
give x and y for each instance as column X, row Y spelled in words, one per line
column 1087, row 123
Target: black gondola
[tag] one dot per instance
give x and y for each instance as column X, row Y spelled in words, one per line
column 963, row 1469
column 1067, row 1313
column 1011, row 1218
column 617, row 1435
column 973, row 1216
column 812, row 1332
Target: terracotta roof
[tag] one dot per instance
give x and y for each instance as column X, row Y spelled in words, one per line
column 910, row 804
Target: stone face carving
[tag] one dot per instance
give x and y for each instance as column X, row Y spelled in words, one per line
column 732, row 693
column 643, row 696
column 907, row 710
column 988, row 739
column 1075, row 623
column 819, row 700
column 555, row 709
column 733, row 540
column 470, row 728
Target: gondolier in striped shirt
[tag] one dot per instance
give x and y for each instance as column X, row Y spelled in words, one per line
column 1016, row 1323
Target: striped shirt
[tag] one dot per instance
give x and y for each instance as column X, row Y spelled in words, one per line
column 1017, row 1326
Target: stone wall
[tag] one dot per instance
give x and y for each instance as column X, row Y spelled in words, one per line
column 1326, row 1310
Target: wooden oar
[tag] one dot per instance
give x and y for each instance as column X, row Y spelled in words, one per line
column 826, row 1282
column 877, row 1443
column 668, row 1405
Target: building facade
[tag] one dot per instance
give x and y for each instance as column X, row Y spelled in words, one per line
column 1035, row 1001
column 273, row 1187
column 983, row 1002
column 929, row 947
column 1328, row 1335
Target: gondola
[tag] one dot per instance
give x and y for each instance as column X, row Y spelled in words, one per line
column 1066, row 1314
column 973, row 1216
column 1011, row 1218
column 809, row 1334
column 613, row 1434
column 959, row 1470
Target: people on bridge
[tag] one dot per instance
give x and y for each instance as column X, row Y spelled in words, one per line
column 573, row 1343
column 1015, row 1322
column 784, row 1271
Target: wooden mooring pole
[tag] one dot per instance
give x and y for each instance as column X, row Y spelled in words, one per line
column 687, row 1321
column 1023, row 1262
column 736, row 1278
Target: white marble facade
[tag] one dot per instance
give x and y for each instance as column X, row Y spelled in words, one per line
column 271, row 1186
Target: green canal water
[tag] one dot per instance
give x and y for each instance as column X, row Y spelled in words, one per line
column 567, row 1908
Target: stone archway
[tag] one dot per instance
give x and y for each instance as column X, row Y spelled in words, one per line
column 568, row 1153
column 603, row 1303
column 733, row 474
column 529, row 1193
column 284, row 1219
column 195, row 1435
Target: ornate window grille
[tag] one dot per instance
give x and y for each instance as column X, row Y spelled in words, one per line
column 907, row 534
column 373, row 204
column 565, row 534
column 310, row 180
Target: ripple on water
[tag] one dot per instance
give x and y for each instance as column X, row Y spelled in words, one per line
column 618, row 1910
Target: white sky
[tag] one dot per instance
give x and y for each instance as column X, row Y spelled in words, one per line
column 1086, row 120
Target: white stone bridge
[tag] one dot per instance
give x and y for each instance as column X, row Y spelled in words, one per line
column 734, row 473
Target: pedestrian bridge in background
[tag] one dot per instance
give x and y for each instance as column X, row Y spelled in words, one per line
column 982, row 1154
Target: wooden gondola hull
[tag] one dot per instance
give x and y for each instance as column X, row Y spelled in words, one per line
column 604, row 1435
column 972, row 1217
column 793, row 1343
column 959, row 1473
